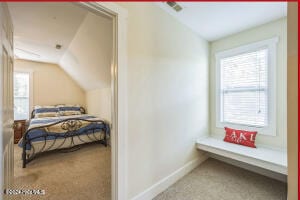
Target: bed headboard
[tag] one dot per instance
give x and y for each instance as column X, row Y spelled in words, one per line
column 82, row 110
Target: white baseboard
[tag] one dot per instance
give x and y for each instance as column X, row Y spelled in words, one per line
column 166, row 182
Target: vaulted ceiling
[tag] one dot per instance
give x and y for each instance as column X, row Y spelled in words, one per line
column 38, row 27
column 85, row 39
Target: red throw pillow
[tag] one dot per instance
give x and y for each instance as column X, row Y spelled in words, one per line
column 246, row 138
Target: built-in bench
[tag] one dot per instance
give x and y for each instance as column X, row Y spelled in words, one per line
column 271, row 159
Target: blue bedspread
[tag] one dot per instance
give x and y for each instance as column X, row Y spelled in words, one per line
column 57, row 132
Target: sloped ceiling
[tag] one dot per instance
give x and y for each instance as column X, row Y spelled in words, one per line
column 88, row 58
column 38, row 27
column 86, row 40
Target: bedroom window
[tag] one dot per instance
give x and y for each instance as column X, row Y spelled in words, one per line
column 246, row 87
column 21, row 95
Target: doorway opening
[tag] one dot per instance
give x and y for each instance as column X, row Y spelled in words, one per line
column 77, row 68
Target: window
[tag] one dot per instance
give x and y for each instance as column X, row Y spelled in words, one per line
column 246, row 87
column 21, row 95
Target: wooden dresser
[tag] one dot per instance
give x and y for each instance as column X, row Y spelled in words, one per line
column 19, row 130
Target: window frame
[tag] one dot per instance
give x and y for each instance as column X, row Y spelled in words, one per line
column 30, row 72
column 271, row 45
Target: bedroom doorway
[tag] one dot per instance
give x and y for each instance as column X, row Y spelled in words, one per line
column 102, row 11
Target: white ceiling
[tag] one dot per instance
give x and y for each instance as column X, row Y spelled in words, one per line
column 60, row 22
column 216, row 20
column 88, row 58
column 38, row 27
column 86, row 40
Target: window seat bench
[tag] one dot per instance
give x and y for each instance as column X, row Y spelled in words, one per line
column 271, row 159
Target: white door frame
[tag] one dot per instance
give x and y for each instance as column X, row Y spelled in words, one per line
column 119, row 77
column 119, row 95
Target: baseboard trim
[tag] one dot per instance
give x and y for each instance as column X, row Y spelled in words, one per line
column 166, row 182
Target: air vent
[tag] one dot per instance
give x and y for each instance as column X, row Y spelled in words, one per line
column 174, row 5
column 58, row 46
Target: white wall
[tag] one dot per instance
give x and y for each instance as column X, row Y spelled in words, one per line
column 99, row 103
column 51, row 85
column 276, row 28
column 167, row 95
column 88, row 57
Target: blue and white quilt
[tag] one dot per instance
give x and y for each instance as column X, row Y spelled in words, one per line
column 36, row 132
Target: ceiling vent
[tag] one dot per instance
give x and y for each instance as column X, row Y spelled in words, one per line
column 58, row 46
column 174, row 5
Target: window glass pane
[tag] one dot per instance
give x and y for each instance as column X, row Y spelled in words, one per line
column 245, row 70
column 245, row 107
column 244, row 88
column 21, row 95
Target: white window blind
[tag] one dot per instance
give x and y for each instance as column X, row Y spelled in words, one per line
column 21, row 95
column 244, row 88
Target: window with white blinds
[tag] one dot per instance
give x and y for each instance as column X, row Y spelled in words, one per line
column 21, row 95
column 245, row 86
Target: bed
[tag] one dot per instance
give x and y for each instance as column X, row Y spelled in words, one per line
column 62, row 127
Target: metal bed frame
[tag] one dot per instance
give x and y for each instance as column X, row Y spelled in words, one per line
column 71, row 127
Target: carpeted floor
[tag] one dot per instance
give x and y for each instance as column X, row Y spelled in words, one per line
column 215, row 180
column 85, row 174
column 79, row 175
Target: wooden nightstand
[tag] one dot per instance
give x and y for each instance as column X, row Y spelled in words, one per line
column 19, row 130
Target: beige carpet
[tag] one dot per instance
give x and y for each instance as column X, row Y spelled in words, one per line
column 215, row 180
column 79, row 175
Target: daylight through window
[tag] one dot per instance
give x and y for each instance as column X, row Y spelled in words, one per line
column 21, row 95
